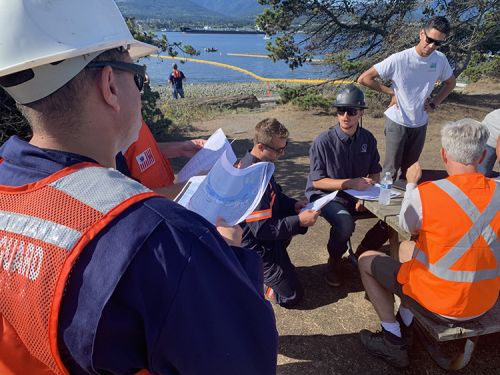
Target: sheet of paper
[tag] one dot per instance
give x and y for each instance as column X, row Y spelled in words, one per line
column 227, row 192
column 188, row 190
column 204, row 160
column 370, row 194
column 319, row 203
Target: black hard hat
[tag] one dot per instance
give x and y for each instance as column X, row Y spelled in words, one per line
column 350, row 96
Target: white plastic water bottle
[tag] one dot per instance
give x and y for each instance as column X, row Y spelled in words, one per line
column 385, row 189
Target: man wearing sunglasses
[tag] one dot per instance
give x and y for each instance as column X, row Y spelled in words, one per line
column 270, row 228
column 99, row 274
column 413, row 73
column 344, row 157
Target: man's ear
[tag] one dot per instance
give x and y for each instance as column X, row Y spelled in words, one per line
column 444, row 157
column 108, row 87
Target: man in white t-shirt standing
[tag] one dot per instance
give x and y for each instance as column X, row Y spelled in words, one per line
column 413, row 73
column 492, row 122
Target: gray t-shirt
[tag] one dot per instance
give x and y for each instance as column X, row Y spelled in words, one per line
column 413, row 78
column 492, row 122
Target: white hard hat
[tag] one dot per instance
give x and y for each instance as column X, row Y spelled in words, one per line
column 38, row 35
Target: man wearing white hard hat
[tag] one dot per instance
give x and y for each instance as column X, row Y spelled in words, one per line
column 97, row 273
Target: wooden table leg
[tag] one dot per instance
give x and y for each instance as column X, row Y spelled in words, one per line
column 449, row 355
column 394, row 243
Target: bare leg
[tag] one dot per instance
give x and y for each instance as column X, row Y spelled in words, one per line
column 406, row 251
column 381, row 299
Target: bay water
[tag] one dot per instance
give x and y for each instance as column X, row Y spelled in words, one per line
column 226, row 45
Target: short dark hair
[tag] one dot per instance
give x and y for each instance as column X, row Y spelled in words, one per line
column 268, row 128
column 439, row 23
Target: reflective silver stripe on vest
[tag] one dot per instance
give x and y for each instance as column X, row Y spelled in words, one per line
column 456, row 276
column 480, row 227
column 100, row 188
column 39, row 229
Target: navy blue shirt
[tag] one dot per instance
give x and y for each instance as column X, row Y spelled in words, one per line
column 275, row 231
column 334, row 154
column 177, row 82
column 187, row 303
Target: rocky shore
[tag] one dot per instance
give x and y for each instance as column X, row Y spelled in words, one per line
column 195, row 91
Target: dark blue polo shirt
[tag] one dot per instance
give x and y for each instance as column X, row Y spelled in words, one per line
column 334, row 154
column 185, row 304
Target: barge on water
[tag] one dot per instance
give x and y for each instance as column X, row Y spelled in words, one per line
column 215, row 31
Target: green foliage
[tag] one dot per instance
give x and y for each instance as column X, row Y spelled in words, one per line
column 480, row 66
column 145, row 36
column 304, row 97
column 353, row 34
column 11, row 120
column 153, row 116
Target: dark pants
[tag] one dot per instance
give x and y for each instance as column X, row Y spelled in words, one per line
column 342, row 226
column 385, row 270
column 341, row 218
column 280, row 274
column 403, row 147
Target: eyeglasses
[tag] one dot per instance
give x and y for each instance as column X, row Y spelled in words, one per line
column 430, row 40
column 277, row 150
column 350, row 111
column 139, row 71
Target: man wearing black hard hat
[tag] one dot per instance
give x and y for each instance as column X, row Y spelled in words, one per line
column 343, row 157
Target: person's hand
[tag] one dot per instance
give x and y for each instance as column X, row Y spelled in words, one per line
column 360, row 183
column 231, row 234
column 308, row 218
column 189, row 148
column 300, row 205
column 393, row 101
column 414, row 173
column 428, row 107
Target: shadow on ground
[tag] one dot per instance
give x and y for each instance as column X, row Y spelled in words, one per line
column 318, row 293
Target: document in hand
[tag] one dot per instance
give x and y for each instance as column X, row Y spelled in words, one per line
column 318, row 204
column 370, row 194
column 227, row 192
column 205, row 159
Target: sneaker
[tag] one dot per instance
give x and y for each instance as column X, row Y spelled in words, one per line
column 334, row 273
column 269, row 294
column 387, row 346
column 406, row 331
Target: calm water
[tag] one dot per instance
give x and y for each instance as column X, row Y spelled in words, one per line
column 159, row 69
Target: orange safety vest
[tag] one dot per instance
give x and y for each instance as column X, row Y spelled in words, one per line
column 44, row 227
column 146, row 162
column 455, row 270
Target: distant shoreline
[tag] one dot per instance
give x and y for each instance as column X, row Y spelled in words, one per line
column 204, row 90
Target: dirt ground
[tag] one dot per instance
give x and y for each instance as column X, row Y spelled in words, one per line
column 320, row 336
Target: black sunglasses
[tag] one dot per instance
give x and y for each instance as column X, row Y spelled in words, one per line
column 277, row 150
column 139, row 71
column 350, row 111
column 429, row 40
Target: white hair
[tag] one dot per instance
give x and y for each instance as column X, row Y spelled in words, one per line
column 464, row 140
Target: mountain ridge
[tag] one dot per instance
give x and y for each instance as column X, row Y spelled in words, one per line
column 189, row 10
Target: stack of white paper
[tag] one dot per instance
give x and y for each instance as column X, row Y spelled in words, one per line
column 370, row 194
column 227, row 192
